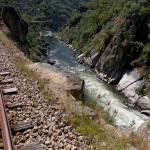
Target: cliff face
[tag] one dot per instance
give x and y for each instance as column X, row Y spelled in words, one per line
column 116, row 56
column 17, row 26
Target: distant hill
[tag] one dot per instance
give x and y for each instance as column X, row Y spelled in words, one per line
column 48, row 13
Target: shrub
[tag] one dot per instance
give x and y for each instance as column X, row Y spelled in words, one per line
column 146, row 54
column 147, row 90
column 75, row 43
column 117, row 41
column 135, row 49
column 145, row 13
column 140, row 90
column 75, row 19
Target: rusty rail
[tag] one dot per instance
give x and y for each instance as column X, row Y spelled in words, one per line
column 5, row 128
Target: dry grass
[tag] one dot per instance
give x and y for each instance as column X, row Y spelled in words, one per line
column 22, row 63
column 5, row 39
column 104, row 136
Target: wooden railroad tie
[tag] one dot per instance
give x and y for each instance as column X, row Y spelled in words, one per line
column 10, row 91
column 1, row 144
column 32, row 146
column 4, row 73
column 14, row 105
column 21, row 127
column 6, row 81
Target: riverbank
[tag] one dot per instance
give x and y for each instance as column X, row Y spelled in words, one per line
column 100, row 134
column 131, row 83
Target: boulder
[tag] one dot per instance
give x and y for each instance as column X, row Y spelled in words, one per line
column 146, row 112
column 43, row 50
column 129, row 77
column 130, row 91
column 87, row 111
column 144, row 103
column 136, row 23
column 51, row 62
column 128, row 84
column 80, row 109
column 81, row 58
column 144, row 129
column 46, row 44
column 17, row 26
column 75, row 85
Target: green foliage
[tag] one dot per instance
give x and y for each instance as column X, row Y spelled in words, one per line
column 75, row 43
column 117, row 41
column 145, row 13
column 140, row 90
column 146, row 54
column 132, row 124
column 118, row 148
column 135, row 50
column 75, row 19
column 147, row 89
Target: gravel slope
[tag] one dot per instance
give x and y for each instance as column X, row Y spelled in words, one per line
column 50, row 127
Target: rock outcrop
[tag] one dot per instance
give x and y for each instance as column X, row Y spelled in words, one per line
column 144, row 129
column 68, row 81
column 17, row 26
column 144, row 103
column 93, row 58
column 113, row 59
column 128, row 84
column 130, row 81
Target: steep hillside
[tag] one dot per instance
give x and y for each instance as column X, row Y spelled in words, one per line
column 112, row 34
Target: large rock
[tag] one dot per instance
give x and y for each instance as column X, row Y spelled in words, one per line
column 17, row 26
column 144, row 129
column 75, row 84
column 130, row 91
column 129, row 77
column 143, row 102
column 67, row 80
column 129, row 83
column 81, row 58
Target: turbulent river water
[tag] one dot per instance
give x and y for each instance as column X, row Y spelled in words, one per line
column 112, row 102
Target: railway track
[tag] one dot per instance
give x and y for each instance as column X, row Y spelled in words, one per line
column 35, row 122
column 7, row 130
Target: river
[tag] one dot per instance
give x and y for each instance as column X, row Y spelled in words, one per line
column 95, row 89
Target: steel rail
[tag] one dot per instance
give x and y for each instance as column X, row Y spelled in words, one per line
column 5, row 127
